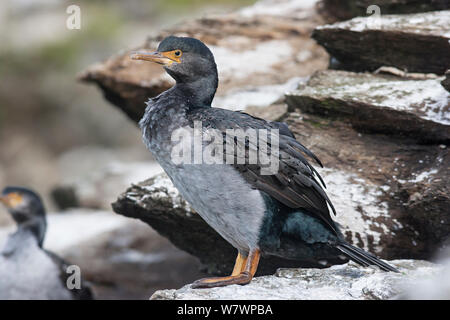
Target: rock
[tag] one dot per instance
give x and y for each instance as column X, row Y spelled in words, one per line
column 418, row 109
column 414, row 42
column 258, row 50
column 347, row 9
column 370, row 179
column 414, row 195
column 446, row 82
column 344, row 282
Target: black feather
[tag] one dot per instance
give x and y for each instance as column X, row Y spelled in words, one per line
column 362, row 257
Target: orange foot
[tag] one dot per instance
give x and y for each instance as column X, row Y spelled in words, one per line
column 243, row 272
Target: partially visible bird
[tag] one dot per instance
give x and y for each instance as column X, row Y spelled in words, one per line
column 285, row 214
column 27, row 270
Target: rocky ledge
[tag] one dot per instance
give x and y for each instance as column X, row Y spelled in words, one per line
column 416, row 108
column 343, row 282
column 415, row 42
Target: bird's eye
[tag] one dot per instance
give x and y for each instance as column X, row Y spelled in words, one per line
column 177, row 53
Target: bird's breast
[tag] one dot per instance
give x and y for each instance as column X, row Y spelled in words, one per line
column 222, row 198
column 158, row 126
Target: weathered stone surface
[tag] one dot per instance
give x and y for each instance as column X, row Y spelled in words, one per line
column 378, row 103
column 344, row 282
column 347, row 9
column 265, row 44
column 415, row 42
column 382, row 186
column 411, row 178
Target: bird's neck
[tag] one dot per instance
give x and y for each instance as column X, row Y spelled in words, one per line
column 36, row 225
column 199, row 93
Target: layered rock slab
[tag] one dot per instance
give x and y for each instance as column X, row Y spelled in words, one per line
column 411, row 42
column 378, row 103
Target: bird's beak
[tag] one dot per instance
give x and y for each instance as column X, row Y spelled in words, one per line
column 11, row 200
column 4, row 200
column 156, row 56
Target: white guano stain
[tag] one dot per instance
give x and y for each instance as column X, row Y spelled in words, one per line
column 358, row 207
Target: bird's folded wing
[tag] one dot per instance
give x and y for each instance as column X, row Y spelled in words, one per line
column 294, row 183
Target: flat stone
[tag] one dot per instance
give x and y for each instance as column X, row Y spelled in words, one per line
column 414, row 42
column 378, row 103
column 344, row 282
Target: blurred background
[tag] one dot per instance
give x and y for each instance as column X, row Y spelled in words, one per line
column 55, row 131
column 62, row 138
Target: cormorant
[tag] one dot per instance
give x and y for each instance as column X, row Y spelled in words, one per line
column 27, row 271
column 285, row 213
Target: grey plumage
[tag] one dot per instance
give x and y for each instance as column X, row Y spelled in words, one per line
column 27, row 272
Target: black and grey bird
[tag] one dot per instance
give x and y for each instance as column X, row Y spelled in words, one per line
column 286, row 214
column 27, row 271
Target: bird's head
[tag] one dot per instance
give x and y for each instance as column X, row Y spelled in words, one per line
column 23, row 204
column 185, row 59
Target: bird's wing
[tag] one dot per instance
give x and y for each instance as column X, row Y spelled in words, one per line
column 295, row 182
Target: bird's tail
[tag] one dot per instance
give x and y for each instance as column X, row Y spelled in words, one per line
column 362, row 257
